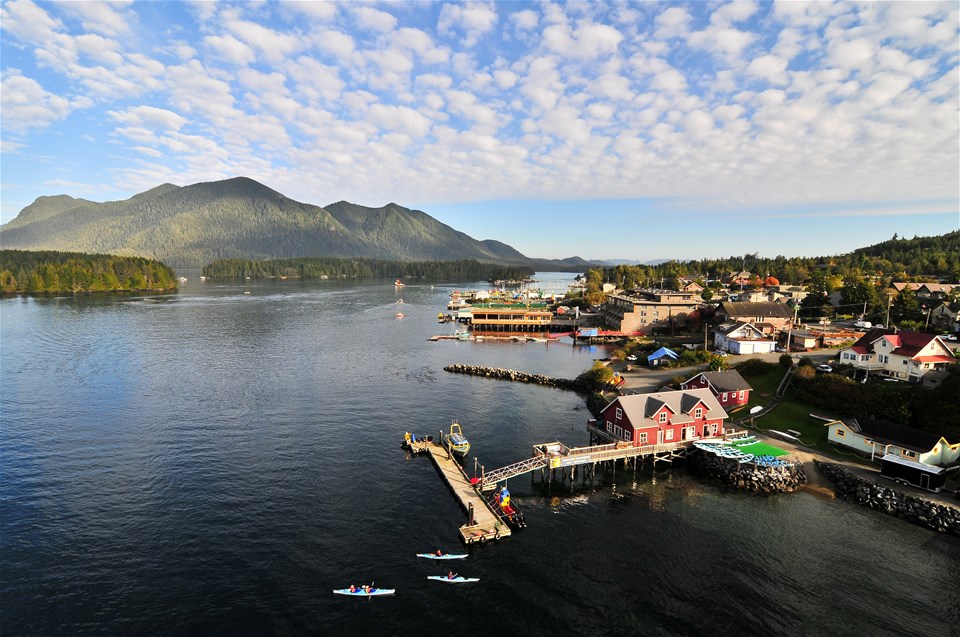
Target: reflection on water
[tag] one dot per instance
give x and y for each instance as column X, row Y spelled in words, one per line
column 216, row 461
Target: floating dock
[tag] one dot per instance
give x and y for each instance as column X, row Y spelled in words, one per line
column 483, row 523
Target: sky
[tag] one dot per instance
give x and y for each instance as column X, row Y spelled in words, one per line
column 605, row 130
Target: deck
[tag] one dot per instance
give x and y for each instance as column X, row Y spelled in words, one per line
column 486, row 524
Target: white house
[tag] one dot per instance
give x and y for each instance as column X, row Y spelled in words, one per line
column 877, row 439
column 898, row 354
column 742, row 338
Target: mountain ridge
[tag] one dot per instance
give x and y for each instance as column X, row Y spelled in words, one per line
column 190, row 226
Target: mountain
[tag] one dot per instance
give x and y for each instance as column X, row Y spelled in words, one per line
column 239, row 218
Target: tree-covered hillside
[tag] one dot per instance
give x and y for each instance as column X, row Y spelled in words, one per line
column 324, row 268
column 25, row 272
column 239, row 218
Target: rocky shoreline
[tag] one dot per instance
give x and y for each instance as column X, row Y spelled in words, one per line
column 748, row 476
column 931, row 515
column 519, row 377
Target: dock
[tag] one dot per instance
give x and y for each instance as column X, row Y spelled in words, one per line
column 483, row 523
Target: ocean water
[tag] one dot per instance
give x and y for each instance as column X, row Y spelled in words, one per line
column 217, row 461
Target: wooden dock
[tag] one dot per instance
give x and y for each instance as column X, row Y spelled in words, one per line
column 483, row 523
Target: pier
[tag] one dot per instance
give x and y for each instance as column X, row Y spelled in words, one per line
column 555, row 455
column 482, row 522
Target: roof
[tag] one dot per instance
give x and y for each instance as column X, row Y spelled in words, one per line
column 663, row 351
column 640, row 408
column 729, row 380
column 768, row 310
column 727, row 328
column 905, row 343
column 889, row 432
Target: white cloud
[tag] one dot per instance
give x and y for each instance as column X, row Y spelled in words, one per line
column 398, row 119
column 526, row 20
column 673, row 22
column 770, row 68
column 27, row 105
column 28, row 22
column 274, row 46
column 149, row 116
column 230, row 49
column 474, row 19
column 373, row 19
column 102, row 17
column 587, row 41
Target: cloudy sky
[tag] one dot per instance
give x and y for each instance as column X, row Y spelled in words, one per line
column 599, row 129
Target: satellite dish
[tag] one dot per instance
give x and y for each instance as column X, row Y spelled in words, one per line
column 756, row 409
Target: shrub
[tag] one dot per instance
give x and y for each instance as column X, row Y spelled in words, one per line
column 755, row 367
column 786, row 361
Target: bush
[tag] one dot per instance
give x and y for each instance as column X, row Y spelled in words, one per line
column 805, row 372
column 786, row 361
column 755, row 367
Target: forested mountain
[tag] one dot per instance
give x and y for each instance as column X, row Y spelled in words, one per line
column 239, row 218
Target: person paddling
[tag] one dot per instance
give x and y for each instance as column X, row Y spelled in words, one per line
column 439, row 553
column 451, row 575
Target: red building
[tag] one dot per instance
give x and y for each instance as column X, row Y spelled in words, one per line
column 663, row 417
column 729, row 387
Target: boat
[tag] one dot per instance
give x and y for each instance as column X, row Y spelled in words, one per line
column 398, row 283
column 504, row 507
column 462, row 335
column 399, row 315
column 445, row 556
column 458, row 579
column 456, row 440
column 362, row 591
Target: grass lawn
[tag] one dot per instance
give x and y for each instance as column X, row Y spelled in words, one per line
column 789, row 414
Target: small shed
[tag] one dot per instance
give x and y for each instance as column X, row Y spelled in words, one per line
column 661, row 356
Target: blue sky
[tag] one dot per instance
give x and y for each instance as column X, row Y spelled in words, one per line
column 598, row 129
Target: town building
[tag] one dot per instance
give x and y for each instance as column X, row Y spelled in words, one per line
column 877, row 438
column 642, row 310
column 510, row 318
column 928, row 291
column 742, row 338
column 779, row 316
column 729, row 387
column 904, row 355
column 663, row 417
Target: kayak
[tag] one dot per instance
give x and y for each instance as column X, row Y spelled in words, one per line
column 459, row 579
column 361, row 593
column 445, row 556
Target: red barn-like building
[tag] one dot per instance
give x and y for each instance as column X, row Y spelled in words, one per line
column 663, row 417
column 728, row 386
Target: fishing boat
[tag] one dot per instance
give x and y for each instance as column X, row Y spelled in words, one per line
column 456, row 440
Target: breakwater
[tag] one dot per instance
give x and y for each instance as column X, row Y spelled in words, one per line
column 515, row 376
column 919, row 511
column 748, row 476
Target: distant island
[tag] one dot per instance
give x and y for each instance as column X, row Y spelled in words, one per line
column 48, row 272
column 328, row 268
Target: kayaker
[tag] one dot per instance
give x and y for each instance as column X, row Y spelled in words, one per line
column 353, row 588
column 439, row 553
column 451, row 575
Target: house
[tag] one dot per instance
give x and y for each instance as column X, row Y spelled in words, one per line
column 878, row 438
column 742, row 338
column 689, row 285
column 729, row 387
column 779, row 315
column 946, row 316
column 801, row 341
column 662, row 356
column 928, row 291
column 737, row 278
column 903, row 355
column 642, row 310
column 663, row 417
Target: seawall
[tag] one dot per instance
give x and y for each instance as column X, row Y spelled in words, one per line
column 932, row 515
column 519, row 377
column 748, row 476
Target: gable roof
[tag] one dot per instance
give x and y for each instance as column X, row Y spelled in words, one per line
column 892, row 433
column 725, row 381
column 905, row 343
column 663, row 351
column 767, row 310
column 639, row 408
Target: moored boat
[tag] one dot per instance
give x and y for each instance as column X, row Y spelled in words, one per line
column 456, row 440
column 503, row 505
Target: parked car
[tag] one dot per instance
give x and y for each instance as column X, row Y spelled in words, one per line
column 632, row 357
column 780, row 348
column 721, row 353
column 950, row 337
column 823, row 367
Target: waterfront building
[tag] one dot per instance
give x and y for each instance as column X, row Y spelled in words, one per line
column 497, row 317
column 641, row 310
column 663, row 417
column 742, row 338
column 877, row 438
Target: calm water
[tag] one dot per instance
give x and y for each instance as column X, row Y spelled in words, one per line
column 216, row 462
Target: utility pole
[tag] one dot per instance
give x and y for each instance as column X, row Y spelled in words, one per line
column 889, row 299
column 796, row 310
